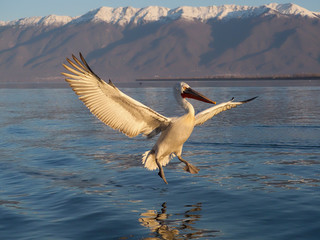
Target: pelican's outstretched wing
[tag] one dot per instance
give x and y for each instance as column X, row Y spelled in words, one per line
column 207, row 114
column 110, row 105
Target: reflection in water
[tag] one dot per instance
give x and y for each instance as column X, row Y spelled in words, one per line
column 168, row 226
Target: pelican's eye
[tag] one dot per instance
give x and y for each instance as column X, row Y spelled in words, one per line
column 184, row 88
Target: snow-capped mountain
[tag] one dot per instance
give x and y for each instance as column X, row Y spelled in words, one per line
column 51, row 20
column 128, row 43
column 126, row 15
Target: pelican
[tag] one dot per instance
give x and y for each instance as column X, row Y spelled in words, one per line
column 123, row 113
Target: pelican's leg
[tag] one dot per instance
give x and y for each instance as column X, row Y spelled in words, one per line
column 189, row 167
column 161, row 172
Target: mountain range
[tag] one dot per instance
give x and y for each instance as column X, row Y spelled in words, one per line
column 128, row 43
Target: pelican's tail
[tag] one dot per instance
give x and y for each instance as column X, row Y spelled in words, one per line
column 149, row 160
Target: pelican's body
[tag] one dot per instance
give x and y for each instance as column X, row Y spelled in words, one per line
column 131, row 117
column 170, row 142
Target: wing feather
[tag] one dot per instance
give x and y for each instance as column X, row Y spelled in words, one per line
column 109, row 104
column 75, row 66
column 207, row 114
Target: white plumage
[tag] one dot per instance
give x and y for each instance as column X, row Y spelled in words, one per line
column 123, row 113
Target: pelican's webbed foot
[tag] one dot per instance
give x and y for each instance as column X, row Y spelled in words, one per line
column 189, row 167
column 161, row 172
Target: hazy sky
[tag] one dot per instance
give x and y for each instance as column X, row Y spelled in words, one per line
column 15, row 9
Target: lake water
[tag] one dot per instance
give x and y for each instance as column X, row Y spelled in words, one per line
column 64, row 175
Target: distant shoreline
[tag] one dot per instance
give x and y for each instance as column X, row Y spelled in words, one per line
column 224, row 81
column 236, row 81
column 236, row 78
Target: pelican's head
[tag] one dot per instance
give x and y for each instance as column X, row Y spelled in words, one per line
column 183, row 91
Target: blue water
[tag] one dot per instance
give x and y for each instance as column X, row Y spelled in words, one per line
column 64, row 175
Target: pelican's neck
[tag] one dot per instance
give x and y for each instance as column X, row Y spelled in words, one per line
column 182, row 101
column 187, row 106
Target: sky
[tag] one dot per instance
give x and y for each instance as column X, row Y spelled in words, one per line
column 16, row 9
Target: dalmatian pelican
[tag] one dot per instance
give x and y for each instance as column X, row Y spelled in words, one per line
column 123, row 113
